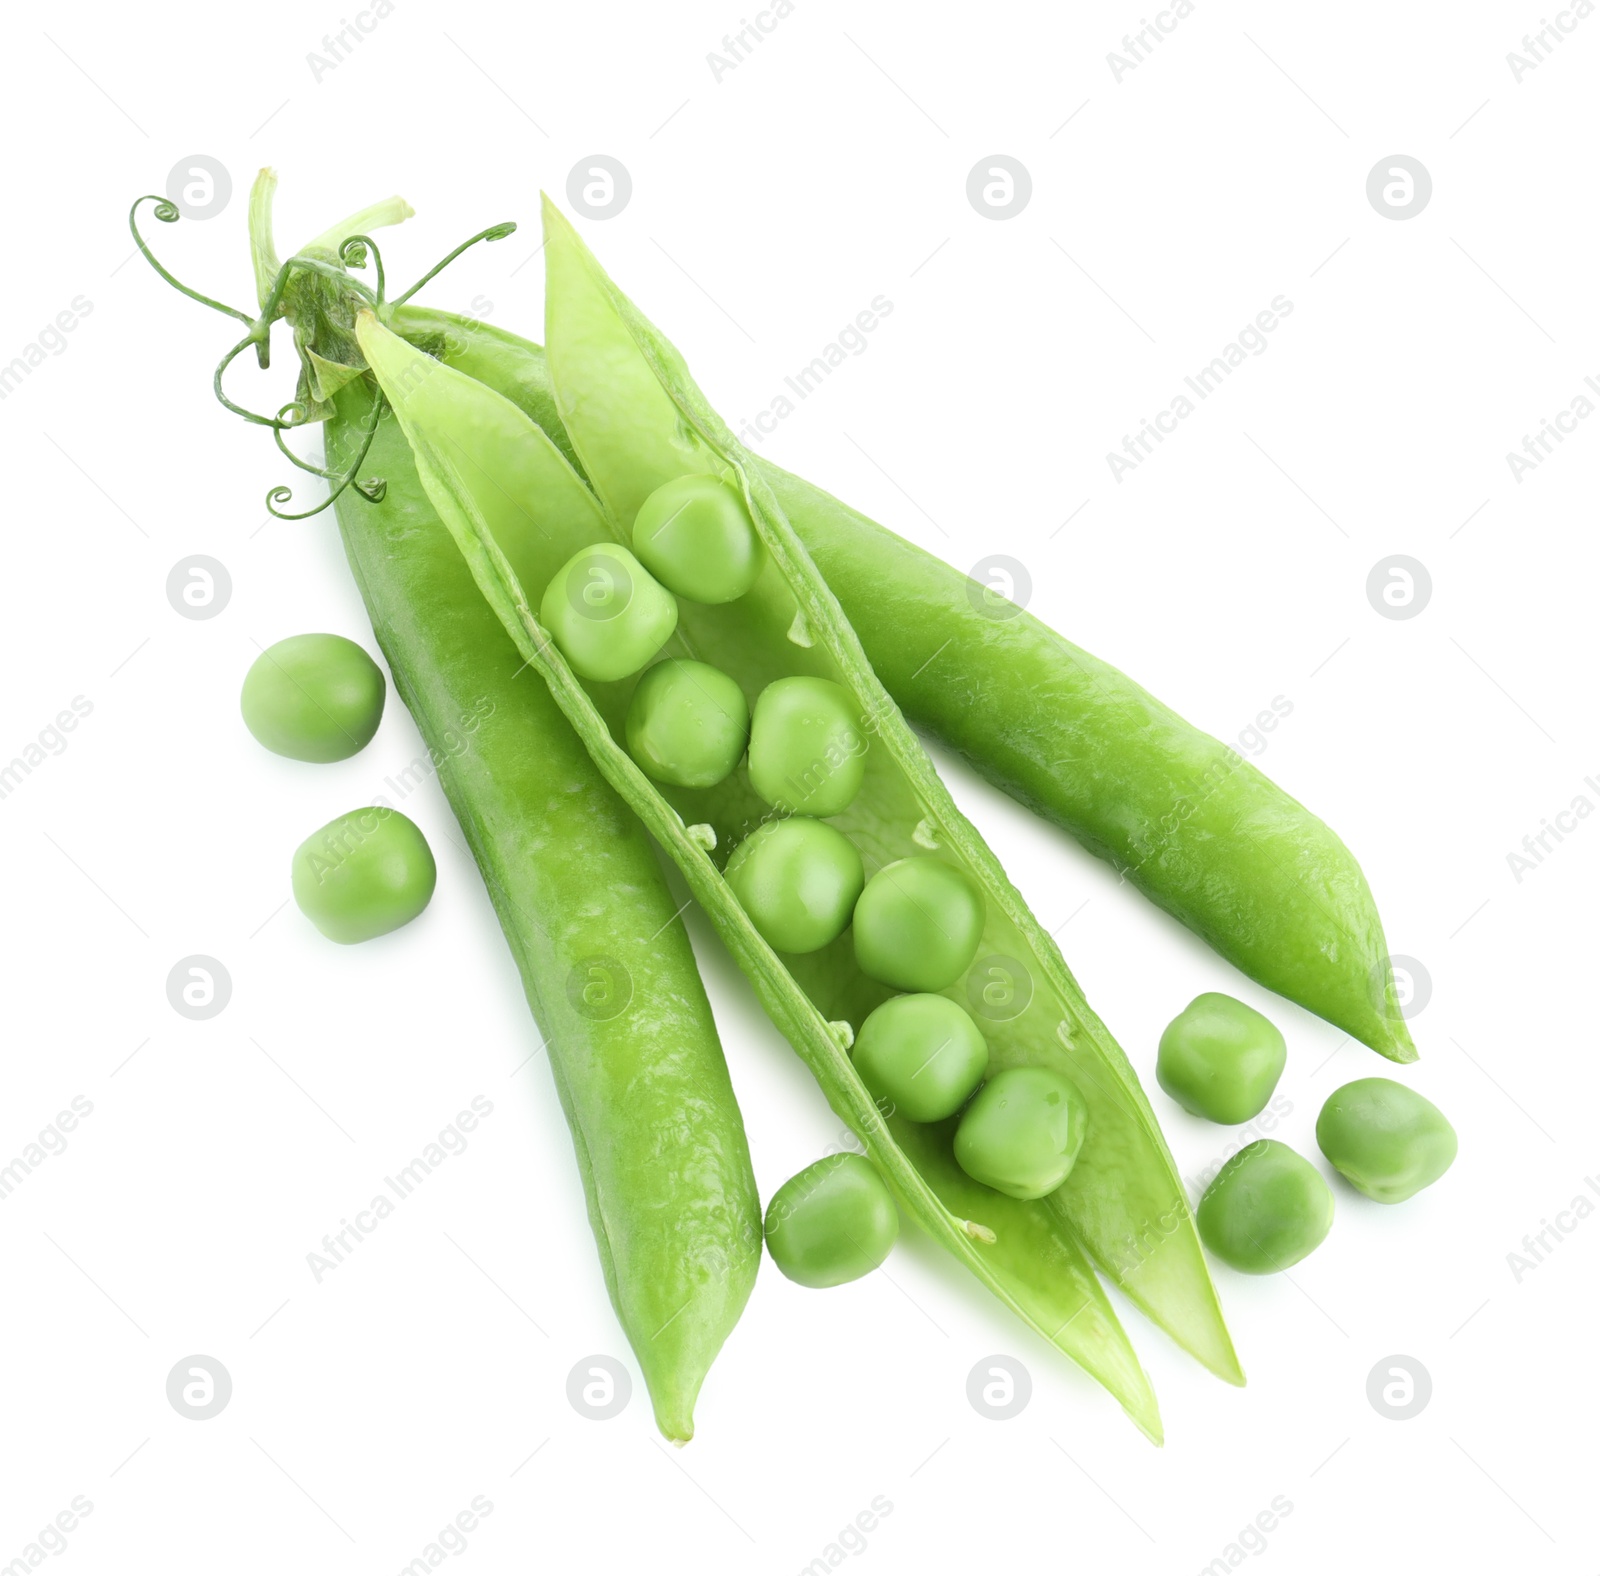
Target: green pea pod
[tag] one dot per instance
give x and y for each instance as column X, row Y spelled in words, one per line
column 604, row 959
column 1189, row 821
column 1198, row 829
column 579, row 892
column 1124, row 1197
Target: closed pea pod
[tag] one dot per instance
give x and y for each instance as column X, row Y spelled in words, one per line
column 572, row 875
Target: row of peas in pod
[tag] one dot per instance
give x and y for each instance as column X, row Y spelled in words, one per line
column 917, row 922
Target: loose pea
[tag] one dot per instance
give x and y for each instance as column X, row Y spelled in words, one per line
column 918, row 924
column 1022, row 1133
column 923, row 1053
column 1386, row 1140
column 695, row 537
column 831, row 1223
column 363, row 874
column 687, row 724
column 607, row 612
column 807, row 750
column 798, row 880
column 313, row 698
column 1220, row 1059
column 1266, row 1209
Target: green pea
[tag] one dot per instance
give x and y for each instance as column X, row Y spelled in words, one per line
column 687, row 724
column 694, row 535
column 313, row 698
column 607, row 613
column 918, row 924
column 1220, row 1059
column 1384, row 1139
column 363, row 874
column 1266, row 1209
column 1022, row 1133
column 831, row 1223
column 807, row 750
column 798, row 880
column 923, row 1053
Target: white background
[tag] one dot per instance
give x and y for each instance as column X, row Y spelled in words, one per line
column 768, row 209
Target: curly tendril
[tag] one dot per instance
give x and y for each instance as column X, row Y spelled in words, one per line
column 353, row 253
column 167, row 212
column 372, row 489
column 495, row 232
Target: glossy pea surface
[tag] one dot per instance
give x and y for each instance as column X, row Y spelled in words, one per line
column 1220, row 1059
column 1267, row 1208
column 1022, row 1133
column 607, row 612
column 831, row 1223
column 687, row 724
column 918, row 924
column 313, row 698
column 923, row 1054
column 365, row 873
column 1384, row 1139
column 807, row 749
column 694, row 535
column 798, row 880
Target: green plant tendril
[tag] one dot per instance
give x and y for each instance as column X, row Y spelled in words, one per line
column 372, row 489
column 167, row 212
column 353, row 254
column 495, row 232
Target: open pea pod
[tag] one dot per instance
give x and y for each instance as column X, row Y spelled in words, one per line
column 519, row 511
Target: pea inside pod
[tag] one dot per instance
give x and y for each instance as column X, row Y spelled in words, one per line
column 607, row 612
column 687, row 724
column 695, row 536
